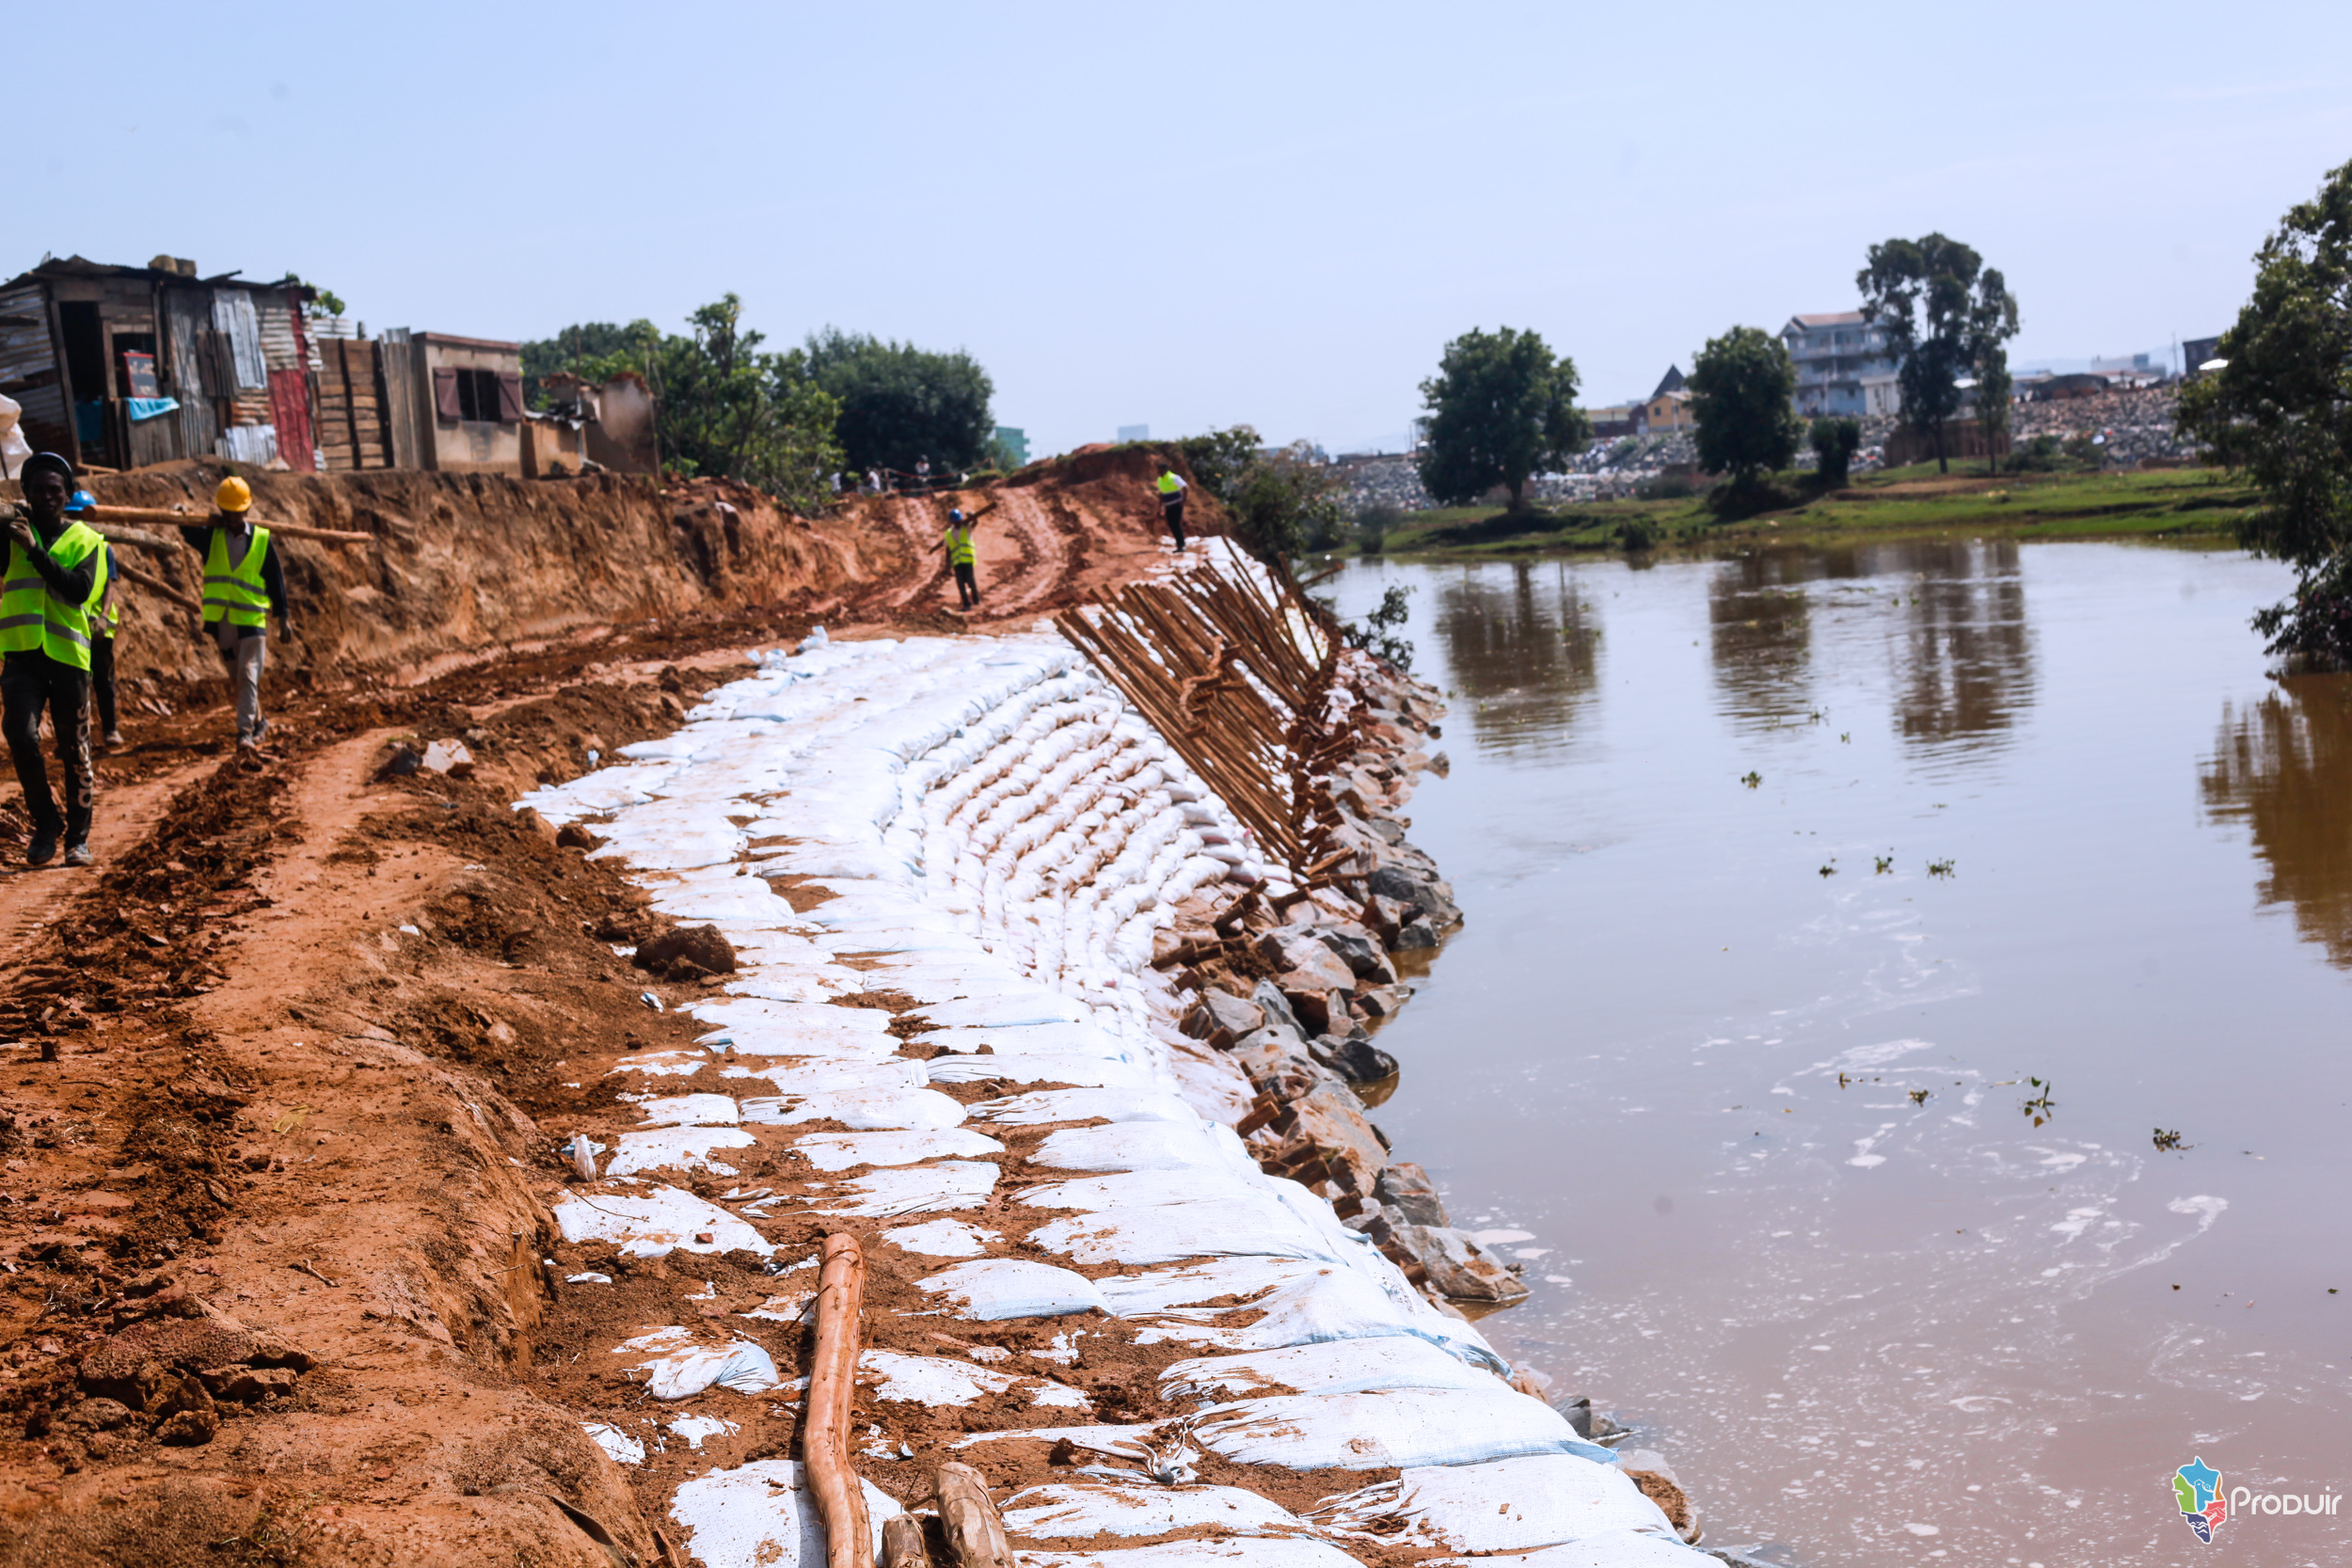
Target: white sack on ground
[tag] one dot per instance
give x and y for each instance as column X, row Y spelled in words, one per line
column 941, row 1239
column 1075, row 1513
column 936, row 1380
column 687, row 1110
column 842, row 1151
column 1402, row 1426
column 676, row 1148
column 1328, row 1367
column 1141, row 1145
column 1255, row 1227
column 1510, row 1505
column 863, row 1109
column 990, row 1289
column 914, row 1190
column 761, row 1515
column 741, row 1367
column 1142, row 1189
column 1240, row 1551
column 1049, row 1105
column 1618, row 1549
column 655, row 1222
column 1085, row 1072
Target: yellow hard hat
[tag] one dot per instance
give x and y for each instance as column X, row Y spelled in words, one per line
column 234, row 495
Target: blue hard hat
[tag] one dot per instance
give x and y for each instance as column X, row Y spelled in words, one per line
column 83, row 501
column 955, row 513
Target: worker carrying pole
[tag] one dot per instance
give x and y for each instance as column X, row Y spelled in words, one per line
column 244, row 585
column 105, row 619
column 56, row 571
column 962, row 557
column 1173, row 488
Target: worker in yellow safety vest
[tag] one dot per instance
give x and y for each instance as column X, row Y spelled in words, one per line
column 105, row 619
column 962, row 557
column 1173, row 488
column 57, row 570
column 243, row 586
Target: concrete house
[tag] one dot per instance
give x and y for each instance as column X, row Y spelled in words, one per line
column 1844, row 365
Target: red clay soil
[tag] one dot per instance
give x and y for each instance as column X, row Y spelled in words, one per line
column 291, row 1064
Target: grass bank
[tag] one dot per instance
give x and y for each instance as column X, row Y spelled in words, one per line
column 1894, row 503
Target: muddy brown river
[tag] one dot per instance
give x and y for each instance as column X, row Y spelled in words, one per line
column 1787, row 877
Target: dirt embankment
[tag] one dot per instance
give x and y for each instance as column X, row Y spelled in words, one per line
column 283, row 1062
column 468, row 567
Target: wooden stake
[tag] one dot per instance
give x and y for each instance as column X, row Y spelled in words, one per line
column 825, row 1418
column 975, row 1534
column 902, row 1543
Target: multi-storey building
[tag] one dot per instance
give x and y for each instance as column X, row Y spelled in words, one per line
column 1843, row 365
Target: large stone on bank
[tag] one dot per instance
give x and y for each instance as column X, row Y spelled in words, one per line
column 1408, row 884
column 1358, row 1061
column 1458, row 1266
column 1332, row 1119
column 1277, row 1007
column 1221, row 1009
column 1306, row 964
column 1277, row 1062
column 1360, row 954
column 1405, row 1188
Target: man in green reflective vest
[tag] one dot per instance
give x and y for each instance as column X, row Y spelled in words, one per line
column 56, row 571
column 962, row 557
column 1173, row 488
column 243, row 586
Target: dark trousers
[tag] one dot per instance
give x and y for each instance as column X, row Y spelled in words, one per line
column 102, row 682
column 1173, row 510
column 967, row 585
column 30, row 682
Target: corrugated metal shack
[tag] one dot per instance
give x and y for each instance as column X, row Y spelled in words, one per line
column 119, row 366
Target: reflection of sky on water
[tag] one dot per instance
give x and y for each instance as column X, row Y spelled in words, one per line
column 1838, row 1309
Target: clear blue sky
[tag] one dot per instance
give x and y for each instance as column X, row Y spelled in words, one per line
column 1186, row 215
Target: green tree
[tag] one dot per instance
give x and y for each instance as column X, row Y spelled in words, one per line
column 900, row 404
column 1218, row 458
column 1286, row 503
column 1743, row 390
column 1502, row 409
column 1941, row 308
column 1835, row 442
column 592, row 351
column 726, row 410
column 2280, row 412
column 1994, row 387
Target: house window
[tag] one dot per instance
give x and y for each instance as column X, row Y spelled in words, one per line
column 478, row 395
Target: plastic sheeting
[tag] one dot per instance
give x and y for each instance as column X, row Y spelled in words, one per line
column 990, row 1289
column 655, row 1222
column 863, row 1109
column 886, row 1194
column 1143, row 1145
column 1508, row 1505
column 1327, row 1366
column 843, row 1150
column 761, row 1515
column 936, row 1380
column 941, row 1239
column 1256, row 1227
column 675, row 1149
column 1050, row 1106
column 741, row 1367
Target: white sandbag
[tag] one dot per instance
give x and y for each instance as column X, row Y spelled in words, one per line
column 739, row 1367
column 1212, row 1279
column 1139, row 1189
column 1073, row 1512
column 1402, row 1426
column 936, row 1380
column 990, row 1290
column 1085, row 1072
column 863, row 1109
column 762, row 1516
column 1034, row 1006
column 1128, row 1146
column 655, row 1222
column 687, row 1110
column 1508, row 1505
column 798, row 1075
column 1256, row 1227
column 618, row 1445
column 842, row 1151
column 755, row 1023
column 692, row 1430
column 1238, row 1551
column 1326, row 1366
column 662, row 1064
column 1616, row 1548
column 914, row 1190
column 675, row 1149
column 1028, row 1039
column 941, row 1239
column 1042, row 1106
column 1337, row 1304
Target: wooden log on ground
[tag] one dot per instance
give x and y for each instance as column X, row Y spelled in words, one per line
column 975, row 1533
column 825, row 1420
column 902, row 1543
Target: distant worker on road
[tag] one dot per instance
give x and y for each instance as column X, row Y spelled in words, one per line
column 105, row 620
column 56, row 571
column 962, row 557
column 922, row 473
column 244, row 585
column 1173, row 488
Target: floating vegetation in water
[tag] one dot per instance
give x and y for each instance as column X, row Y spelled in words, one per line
column 2171, row 1142
column 1829, row 871
column 1845, row 738
column 1886, row 863
column 2041, row 1107
column 1939, row 868
column 1752, row 778
column 1919, row 1097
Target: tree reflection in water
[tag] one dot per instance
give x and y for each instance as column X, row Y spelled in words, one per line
column 1760, row 630
column 1523, row 647
column 2283, row 767
column 1966, row 663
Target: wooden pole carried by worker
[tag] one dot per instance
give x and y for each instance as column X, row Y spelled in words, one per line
column 102, row 515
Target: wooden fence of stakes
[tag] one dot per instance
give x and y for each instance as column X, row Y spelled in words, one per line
column 1238, row 677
